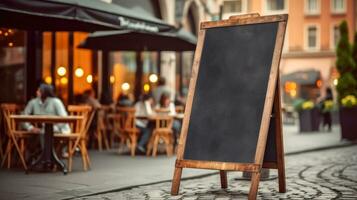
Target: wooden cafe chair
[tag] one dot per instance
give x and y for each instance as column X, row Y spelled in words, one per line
column 163, row 131
column 124, row 123
column 101, row 132
column 16, row 138
column 77, row 138
column 180, row 109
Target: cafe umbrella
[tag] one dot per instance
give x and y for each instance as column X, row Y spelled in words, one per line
column 75, row 15
column 128, row 40
column 134, row 40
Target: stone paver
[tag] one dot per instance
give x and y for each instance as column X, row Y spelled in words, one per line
column 328, row 174
column 112, row 171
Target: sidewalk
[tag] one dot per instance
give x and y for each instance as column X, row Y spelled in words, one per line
column 111, row 171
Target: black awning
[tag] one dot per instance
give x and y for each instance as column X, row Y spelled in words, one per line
column 308, row 77
column 75, row 15
column 127, row 40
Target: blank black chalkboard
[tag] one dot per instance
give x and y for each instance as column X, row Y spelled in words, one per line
column 232, row 117
column 230, row 94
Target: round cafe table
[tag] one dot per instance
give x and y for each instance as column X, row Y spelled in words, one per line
column 48, row 157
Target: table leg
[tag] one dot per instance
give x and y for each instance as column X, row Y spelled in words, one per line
column 59, row 162
column 49, row 156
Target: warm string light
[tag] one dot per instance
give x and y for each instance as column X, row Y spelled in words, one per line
column 335, row 82
column 112, row 79
column 89, row 78
column 61, row 71
column 125, row 86
column 79, row 72
column 146, row 87
column 64, row 80
column 48, row 79
column 153, row 78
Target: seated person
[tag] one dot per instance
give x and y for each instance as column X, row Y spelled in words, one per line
column 144, row 108
column 166, row 104
column 46, row 103
column 124, row 101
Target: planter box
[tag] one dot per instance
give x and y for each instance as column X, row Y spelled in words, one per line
column 309, row 120
column 348, row 120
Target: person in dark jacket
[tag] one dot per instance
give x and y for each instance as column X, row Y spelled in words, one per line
column 326, row 112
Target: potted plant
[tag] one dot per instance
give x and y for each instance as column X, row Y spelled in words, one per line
column 347, row 83
column 309, row 116
column 348, row 117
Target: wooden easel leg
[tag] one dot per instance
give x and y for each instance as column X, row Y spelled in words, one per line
column 254, row 186
column 176, row 181
column 223, row 175
column 279, row 140
column 282, row 183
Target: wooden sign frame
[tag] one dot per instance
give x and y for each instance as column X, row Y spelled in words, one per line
column 272, row 97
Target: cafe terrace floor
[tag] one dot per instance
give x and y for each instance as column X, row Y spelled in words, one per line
column 111, row 171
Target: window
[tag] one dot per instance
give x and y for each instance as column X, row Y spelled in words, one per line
column 312, row 7
column 12, row 65
column 271, row 7
column 338, row 6
column 311, row 34
column 236, row 6
column 312, row 40
column 275, row 5
column 335, row 36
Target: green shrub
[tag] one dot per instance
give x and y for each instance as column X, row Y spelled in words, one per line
column 346, row 64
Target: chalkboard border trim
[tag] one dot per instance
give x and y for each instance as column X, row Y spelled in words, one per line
column 271, row 97
column 233, row 21
column 249, row 167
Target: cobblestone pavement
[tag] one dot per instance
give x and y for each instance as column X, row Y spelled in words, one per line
column 329, row 174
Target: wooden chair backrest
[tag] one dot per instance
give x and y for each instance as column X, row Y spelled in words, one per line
column 81, row 126
column 126, row 117
column 164, row 123
column 180, row 109
column 102, row 116
column 7, row 110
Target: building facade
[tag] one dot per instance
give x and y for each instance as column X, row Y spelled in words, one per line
column 309, row 46
column 311, row 37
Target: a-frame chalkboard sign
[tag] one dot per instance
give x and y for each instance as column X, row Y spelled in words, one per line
column 232, row 119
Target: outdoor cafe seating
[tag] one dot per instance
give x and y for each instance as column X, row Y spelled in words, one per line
column 77, row 139
column 17, row 140
column 103, row 127
column 162, row 131
column 124, row 126
column 113, row 124
column 122, row 120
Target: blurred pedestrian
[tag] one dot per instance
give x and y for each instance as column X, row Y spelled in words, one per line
column 326, row 106
column 144, row 108
column 46, row 103
column 124, row 101
column 160, row 89
column 165, row 104
column 89, row 99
